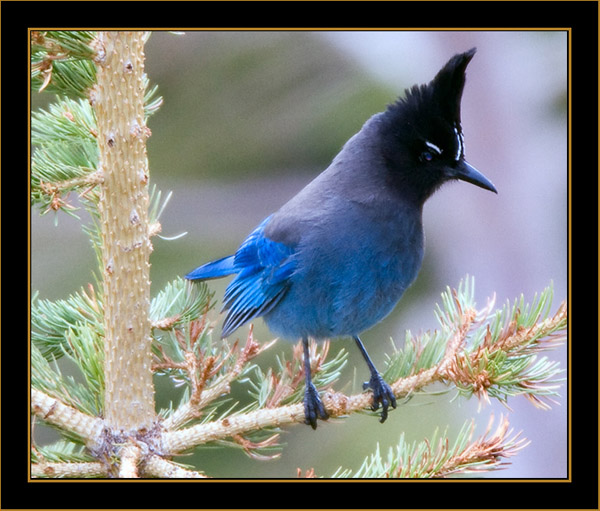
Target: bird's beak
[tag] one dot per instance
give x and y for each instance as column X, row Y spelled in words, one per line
column 466, row 172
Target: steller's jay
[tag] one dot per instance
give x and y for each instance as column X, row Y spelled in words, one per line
column 336, row 258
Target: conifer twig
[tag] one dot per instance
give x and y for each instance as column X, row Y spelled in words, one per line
column 485, row 453
column 438, row 458
column 54, row 188
column 201, row 395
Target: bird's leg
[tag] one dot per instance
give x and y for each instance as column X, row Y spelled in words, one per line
column 382, row 392
column 313, row 406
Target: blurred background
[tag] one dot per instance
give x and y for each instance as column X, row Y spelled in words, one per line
column 249, row 118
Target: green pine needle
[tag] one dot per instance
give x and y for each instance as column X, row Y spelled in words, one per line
column 51, row 321
column 61, row 451
column 61, row 62
column 180, row 302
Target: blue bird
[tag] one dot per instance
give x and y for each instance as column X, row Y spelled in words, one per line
column 336, row 258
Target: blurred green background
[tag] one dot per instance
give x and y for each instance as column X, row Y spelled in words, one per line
column 249, row 118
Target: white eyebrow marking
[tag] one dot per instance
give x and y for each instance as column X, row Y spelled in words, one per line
column 433, row 147
column 460, row 149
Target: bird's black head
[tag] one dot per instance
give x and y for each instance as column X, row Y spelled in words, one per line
column 423, row 140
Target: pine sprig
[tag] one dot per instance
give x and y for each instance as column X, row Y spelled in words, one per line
column 497, row 354
column 81, row 345
column 65, row 157
column 188, row 355
column 284, row 384
column 51, row 320
column 61, row 451
column 503, row 359
column 67, row 120
column 47, row 377
column 62, row 62
column 437, row 458
column 178, row 303
column 208, row 371
column 71, row 44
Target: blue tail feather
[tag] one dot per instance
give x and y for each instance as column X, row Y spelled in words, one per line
column 214, row 269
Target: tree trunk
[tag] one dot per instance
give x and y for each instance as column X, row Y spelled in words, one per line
column 122, row 133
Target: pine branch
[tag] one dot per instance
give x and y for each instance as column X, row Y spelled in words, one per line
column 508, row 337
column 67, row 418
column 64, row 470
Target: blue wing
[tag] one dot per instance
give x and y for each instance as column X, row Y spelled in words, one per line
column 263, row 270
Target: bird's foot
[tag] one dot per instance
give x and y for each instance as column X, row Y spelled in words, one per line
column 313, row 406
column 382, row 394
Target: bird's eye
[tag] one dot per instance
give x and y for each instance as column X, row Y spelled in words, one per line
column 430, row 152
column 426, row 156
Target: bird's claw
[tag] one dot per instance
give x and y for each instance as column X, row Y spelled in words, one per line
column 313, row 406
column 382, row 394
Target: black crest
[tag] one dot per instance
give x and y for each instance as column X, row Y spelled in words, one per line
column 447, row 86
column 440, row 98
